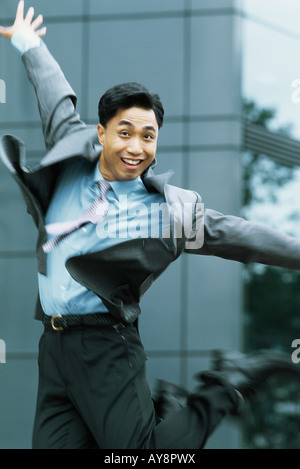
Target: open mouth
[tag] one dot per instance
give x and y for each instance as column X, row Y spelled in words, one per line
column 131, row 163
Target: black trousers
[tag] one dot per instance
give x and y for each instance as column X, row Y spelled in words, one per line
column 93, row 393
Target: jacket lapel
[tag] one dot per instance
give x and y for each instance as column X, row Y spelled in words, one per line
column 13, row 153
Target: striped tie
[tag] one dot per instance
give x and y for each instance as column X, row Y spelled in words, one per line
column 94, row 214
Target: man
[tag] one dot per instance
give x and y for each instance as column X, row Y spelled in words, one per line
column 93, row 270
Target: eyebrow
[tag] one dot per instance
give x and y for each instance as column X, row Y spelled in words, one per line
column 130, row 124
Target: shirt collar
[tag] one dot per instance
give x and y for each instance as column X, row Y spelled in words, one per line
column 119, row 187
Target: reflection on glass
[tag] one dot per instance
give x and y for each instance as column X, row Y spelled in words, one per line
column 271, row 73
column 272, row 295
column 271, row 90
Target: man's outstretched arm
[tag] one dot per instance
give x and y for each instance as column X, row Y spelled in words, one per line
column 236, row 239
column 56, row 99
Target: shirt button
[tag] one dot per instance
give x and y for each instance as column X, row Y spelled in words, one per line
column 84, row 229
column 63, row 288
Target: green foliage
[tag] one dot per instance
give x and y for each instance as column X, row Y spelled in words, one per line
column 257, row 115
column 272, row 302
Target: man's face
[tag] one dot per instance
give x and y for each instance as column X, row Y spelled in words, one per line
column 129, row 143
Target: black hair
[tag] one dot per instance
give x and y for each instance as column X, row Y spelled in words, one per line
column 125, row 96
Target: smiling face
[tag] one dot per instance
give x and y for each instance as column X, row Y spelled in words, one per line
column 129, row 142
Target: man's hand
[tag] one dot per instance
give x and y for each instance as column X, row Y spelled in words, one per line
column 21, row 22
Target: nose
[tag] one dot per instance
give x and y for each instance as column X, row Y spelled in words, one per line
column 134, row 147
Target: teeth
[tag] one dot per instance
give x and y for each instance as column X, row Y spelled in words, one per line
column 133, row 162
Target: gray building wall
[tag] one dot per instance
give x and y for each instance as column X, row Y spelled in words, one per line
column 189, row 52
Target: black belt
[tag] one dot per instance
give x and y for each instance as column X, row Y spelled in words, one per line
column 68, row 321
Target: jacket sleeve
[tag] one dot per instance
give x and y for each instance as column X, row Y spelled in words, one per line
column 245, row 241
column 56, row 99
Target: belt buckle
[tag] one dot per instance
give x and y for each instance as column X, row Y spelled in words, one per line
column 53, row 325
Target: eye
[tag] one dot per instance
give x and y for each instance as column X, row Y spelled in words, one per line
column 149, row 137
column 124, row 133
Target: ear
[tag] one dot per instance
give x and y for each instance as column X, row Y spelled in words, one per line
column 101, row 133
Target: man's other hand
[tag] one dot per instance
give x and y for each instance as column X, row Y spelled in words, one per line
column 27, row 22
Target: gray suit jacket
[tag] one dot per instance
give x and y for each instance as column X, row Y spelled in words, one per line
column 120, row 275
